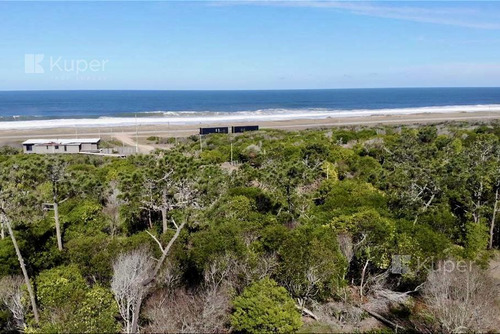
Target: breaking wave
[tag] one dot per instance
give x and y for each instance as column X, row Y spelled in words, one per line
column 160, row 117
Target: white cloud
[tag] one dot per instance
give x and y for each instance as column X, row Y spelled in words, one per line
column 461, row 17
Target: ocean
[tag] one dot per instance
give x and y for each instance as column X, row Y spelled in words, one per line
column 42, row 109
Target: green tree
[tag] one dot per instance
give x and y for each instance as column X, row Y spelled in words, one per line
column 96, row 313
column 56, row 173
column 265, row 307
column 373, row 238
column 311, row 265
column 69, row 305
column 59, row 290
column 59, row 287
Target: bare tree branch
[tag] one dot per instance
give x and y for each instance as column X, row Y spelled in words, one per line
column 11, row 295
column 27, row 281
column 157, row 241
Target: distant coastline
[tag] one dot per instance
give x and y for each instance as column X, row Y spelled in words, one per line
column 272, row 115
column 15, row 137
column 24, row 110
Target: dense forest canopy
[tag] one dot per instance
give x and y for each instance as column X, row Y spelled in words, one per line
column 299, row 232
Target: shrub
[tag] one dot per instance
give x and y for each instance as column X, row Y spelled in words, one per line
column 96, row 314
column 213, row 156
column 69, row 305
column 251, row 154
column 153, row 138
column 60, row 286
column 311, row 265
column 461, row 298
column 265, row 307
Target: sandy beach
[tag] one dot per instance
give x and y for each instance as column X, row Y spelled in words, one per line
column 15, row 137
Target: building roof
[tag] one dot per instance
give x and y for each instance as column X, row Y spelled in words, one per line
column 61, row 141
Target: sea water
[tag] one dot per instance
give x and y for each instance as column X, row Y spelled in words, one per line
column 39, row 109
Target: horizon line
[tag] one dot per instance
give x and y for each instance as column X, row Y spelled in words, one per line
column 238, row 90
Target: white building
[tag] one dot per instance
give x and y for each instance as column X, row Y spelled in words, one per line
column 48, row 146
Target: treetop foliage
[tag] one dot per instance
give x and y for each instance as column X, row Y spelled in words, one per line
column 297, row 216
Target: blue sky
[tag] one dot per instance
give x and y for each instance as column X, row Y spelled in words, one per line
column 251, row 44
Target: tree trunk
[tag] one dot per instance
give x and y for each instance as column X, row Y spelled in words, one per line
column 58, row 226
column 363, row 278
column 424, row 209
column 477, row 214
column 150, row 221
column 492, row 225
column 164, row 210
column 137, row 309
column 23, row 269
column 384, row 320
column 164, row 219
column 136, row 312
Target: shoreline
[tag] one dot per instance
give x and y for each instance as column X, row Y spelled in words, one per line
column 203, row 118
column 12, row 136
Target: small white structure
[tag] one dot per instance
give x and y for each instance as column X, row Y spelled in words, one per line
column 50, row 146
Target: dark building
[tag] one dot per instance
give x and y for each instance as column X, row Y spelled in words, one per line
column 245, row 128
column 206, row 131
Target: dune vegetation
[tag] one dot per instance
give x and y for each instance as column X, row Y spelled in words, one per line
column 325, row 230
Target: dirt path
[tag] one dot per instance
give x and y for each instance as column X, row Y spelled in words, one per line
column 127, row 140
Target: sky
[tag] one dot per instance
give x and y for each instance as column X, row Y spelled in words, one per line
column 248, row 45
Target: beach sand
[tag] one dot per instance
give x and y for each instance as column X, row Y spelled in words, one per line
column 15, row 137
